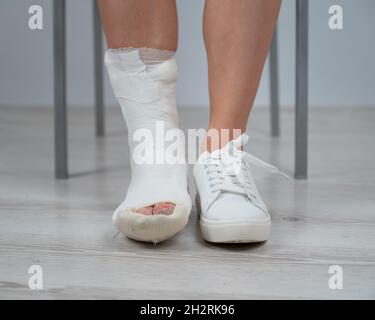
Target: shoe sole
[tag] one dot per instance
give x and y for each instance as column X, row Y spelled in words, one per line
column 241, row 231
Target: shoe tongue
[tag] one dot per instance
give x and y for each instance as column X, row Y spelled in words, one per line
column 239, row 142
column 206, row 156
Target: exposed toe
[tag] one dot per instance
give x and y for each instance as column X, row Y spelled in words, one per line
column 147, row 211
column 163, row 208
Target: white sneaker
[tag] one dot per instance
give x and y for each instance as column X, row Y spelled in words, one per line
column 228, row 202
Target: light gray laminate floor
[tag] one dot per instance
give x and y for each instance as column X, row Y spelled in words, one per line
column 65, row 226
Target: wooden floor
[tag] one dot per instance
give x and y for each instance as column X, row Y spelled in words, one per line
column 65, row 226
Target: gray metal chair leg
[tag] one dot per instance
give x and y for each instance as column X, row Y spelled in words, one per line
column 59, row 54
column 274, row 86
column 99, row 83
column 301, row 119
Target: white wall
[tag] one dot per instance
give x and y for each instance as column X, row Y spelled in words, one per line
column 342, row 67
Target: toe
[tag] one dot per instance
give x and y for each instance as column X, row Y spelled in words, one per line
column 164, row 208
column 146, row 211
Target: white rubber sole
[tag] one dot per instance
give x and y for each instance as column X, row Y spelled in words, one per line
column 241, row 231
column 154, row 228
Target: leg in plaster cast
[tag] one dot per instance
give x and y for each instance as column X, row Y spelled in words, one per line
column 146, row 93
column 142, row 24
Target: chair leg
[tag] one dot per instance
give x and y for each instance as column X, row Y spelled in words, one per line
column 98, row 67
column 301, row 119
column 274, row 86
column 60, row 117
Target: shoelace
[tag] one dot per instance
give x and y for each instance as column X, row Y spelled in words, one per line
column 228, row 169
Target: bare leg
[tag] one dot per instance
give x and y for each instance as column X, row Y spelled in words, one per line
column 141, row 24
column 237, row 34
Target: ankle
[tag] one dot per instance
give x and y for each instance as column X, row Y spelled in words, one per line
column 218, row 138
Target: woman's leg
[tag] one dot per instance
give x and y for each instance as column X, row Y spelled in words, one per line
column 237, row 34
column 142, row 24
